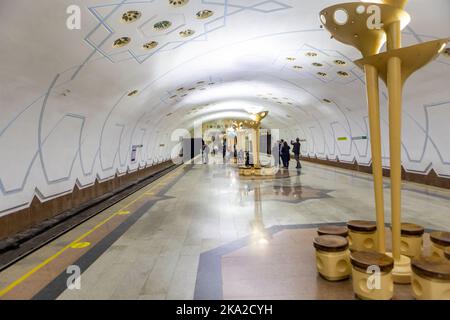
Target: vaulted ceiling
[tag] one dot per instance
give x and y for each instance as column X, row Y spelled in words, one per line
column 81, row 97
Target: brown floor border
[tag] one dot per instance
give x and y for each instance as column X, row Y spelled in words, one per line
column 431, row 179
column 70, row 204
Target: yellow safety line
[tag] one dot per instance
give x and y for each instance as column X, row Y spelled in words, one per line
column 56, row 255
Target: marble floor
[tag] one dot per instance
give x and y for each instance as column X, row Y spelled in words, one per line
column 200, row 215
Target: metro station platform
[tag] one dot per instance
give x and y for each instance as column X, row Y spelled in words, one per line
column 195, row 233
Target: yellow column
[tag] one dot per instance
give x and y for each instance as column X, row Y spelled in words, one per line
column 395, row 129
column 394, row 82
column 373, row 99
column 258, row 147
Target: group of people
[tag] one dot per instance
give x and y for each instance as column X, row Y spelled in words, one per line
column 281, row 152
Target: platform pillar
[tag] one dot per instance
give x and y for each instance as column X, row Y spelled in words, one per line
column 373, row 99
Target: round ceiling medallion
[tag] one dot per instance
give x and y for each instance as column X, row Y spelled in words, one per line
column 204, row 14
column 342, row 73
column 178, row 3
column 131, row 16
column 150, row 45
column 187, row 33
column 162, row 25
column 121, row 42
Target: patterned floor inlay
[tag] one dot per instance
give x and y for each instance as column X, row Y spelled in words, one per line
column 282, row 267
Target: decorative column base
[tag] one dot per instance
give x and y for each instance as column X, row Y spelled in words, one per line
column 402, row 270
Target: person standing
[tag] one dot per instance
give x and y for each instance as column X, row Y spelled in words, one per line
column 276, row 153
column 285, row 154
column 280, row 146
column 206, row 154
column 296, row 149
column 224, row 150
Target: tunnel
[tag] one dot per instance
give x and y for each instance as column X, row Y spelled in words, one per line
column 224, row 150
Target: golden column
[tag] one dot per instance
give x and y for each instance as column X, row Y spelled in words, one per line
column 367, row 26
column 255, row 125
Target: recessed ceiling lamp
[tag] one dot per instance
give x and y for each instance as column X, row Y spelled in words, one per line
column 316, row 64
column 204, row 14
column 322, row 74
column 311, row 54
column 327, row 100
column 339, row 62
column 133, row 93
column 290, row 59
column 131, row 16
column 180, row 89
column 121, row 42
column 297, row 67
column 173, row 97
column 150, row 45
column 446, row 52
column 162, row 25
column 342, row 73
column 187, row 33
column 178, row 3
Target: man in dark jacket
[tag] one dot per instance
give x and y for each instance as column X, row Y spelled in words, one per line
column 296, row 149
column 285, row 154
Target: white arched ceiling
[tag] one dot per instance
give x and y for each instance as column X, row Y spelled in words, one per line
column 67, row 117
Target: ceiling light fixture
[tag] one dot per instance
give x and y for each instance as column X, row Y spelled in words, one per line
column 178, row 3
column 162, row 25
column 121, row 42
column 204, row 14
column 131, row 16
column 150, row 45
column 187, row 33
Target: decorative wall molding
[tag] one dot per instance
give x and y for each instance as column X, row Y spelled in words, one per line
column 39, row 211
